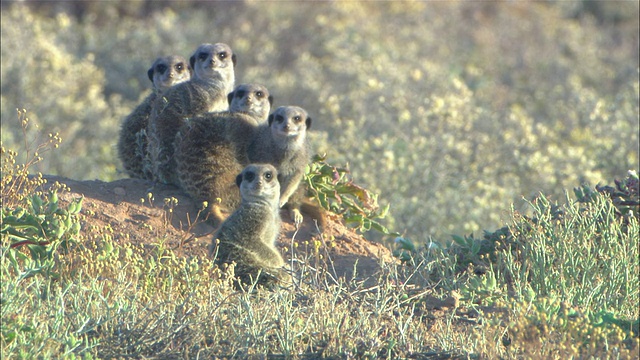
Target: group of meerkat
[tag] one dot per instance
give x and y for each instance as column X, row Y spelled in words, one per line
column 198, row 132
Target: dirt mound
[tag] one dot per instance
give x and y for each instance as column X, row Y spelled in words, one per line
column 141, row 212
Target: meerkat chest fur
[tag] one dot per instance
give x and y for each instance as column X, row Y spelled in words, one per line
column 262, row 221
column 205, row 95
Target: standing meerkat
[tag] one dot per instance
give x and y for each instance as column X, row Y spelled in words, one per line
column 206, row 92
column 132, row 142
column 282, row 142
column 249, row 235
column 211, row 150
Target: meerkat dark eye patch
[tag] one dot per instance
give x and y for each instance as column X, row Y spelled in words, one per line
column 203, row 56
column 259, row 94
column 180, row 66
column 268, row 175
column 279, row 118
column 222, row 55
column 161, row 68
column 249, row 176
column 240, row 93
column 296, row 118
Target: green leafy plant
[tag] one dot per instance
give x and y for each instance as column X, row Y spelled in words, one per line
column 334, row 190
column 479, row 252
column 483, row 288
column 548, row 321
column 44, row 227
column 625, row 194
column 405, row 249
column 32, row 219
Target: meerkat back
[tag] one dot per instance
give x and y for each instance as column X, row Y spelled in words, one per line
column 211, row 150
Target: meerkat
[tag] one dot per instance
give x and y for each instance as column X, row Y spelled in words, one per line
column 249, row 235
column 252, row 99
column 206, row 92
column 282, row 142
column 132, row 142
column 211, row 150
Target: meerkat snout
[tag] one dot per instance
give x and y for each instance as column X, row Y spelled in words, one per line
column 259, row 179
column 168, row 71
column 209, row 57
column 253, row 99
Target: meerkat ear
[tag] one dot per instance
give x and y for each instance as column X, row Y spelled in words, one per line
column 270, row 119
column 150, row 73
column 230, row 97
column 308, row 122
column 239, row 180
column 190, row 68
column 270, row 100
column 233, row 59
column 192, row 61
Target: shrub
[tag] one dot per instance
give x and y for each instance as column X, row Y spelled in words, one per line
column 32, row 218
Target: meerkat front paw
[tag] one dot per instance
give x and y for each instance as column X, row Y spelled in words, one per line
column 296, row 216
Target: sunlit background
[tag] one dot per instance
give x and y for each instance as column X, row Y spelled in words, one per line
column 451, row 111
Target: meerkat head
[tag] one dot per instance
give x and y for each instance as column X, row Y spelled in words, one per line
column 289, row 125
column 210, row 61
column 259, row 183
column 168, row 71
column 253, row 99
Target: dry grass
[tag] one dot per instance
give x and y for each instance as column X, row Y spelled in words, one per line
column 559, row 284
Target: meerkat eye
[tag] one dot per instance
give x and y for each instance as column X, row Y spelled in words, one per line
column 259, row 94
column 222, row 55
column 180, row 66
column 249, row 176
column 296, row 118
column 240, row 94
column 203, row 56
column 268, row 175
column 161, row 68
column 279, row 118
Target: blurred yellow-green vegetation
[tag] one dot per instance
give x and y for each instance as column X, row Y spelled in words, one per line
column 450, row 111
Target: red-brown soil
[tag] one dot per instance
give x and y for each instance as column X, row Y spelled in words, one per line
column 119, row 205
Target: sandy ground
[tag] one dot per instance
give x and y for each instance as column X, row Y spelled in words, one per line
column 119, row 205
